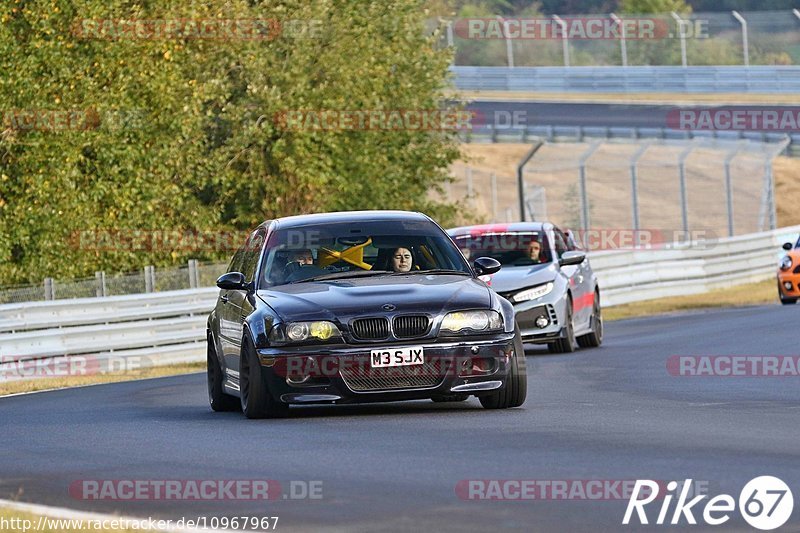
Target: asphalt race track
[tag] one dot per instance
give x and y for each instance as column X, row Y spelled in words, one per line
column 612, row 413
column 585, row 114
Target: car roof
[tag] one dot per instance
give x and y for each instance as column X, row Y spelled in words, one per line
column 512, row 227
column 349, row 216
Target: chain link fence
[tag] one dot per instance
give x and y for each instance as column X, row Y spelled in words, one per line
column 149, row 279
column 701, row 39
column 671, row 189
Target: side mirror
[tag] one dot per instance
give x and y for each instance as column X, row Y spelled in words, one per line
column 485, row 266
column 787, row 246
column 233, row 281
column 572, row 258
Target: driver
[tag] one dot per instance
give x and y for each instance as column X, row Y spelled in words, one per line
column 535, row 251
column 401, row 260
column 304, row 257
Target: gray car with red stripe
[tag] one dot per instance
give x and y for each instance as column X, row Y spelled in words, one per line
column 555, row 293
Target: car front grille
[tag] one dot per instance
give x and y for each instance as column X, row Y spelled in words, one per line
column 365, row 379
column 410, row 326
column 370, row 329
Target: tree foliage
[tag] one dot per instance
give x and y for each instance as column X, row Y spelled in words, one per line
column 179, row 133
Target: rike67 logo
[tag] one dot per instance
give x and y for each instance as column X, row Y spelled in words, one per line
column 765, row 503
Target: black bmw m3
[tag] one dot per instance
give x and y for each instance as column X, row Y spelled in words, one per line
column 368, row 306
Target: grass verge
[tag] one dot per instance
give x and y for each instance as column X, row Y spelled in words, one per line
column 30, row 385
column 763, row 292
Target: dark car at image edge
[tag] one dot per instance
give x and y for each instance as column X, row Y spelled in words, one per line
column 339, row 325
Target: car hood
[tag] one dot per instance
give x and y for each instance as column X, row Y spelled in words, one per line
column 511, row 278
column 346, row 298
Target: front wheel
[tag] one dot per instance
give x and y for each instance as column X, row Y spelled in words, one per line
column 257, row 402
column 516, row 388
column 567, row 344
column 594, row 338
column 217, row 398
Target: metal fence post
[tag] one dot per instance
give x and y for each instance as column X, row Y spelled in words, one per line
column 585, row 215
column 521, row 177
column 100, row 278
column 509, row 44
column 682, row 35
column 729, row 189
column 194, row 280
column 149, row 279
column 635, row 187
column 49, row 289
column 622, row 44
column 684, row 196
column 564, row 38
column 494, row 196
column 745, row 46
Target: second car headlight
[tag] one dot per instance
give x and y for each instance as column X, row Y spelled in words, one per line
column 320, row 330
column 472, row 322
column 786, row 263
column 533, row 293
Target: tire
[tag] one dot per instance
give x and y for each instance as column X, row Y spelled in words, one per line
column 217, row 398
column 784, row 300
column 595, row 338
column 516, row 388
column 256, row 400
column 567, row 344
column 450, row 398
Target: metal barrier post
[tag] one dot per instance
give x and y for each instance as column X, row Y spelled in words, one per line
column 583, row 188
column 682, row 35
column 564, row 38
column 635, row 186
column 149, row 279
column 49, row 289
column 745, row 46
column 729, row 189
column 521, row 177
column 622, row 44
column 194, row 280
column 100, row 278
column 684, row 196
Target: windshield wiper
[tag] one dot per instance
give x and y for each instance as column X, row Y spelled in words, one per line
column 433, row 271
column 343, row 275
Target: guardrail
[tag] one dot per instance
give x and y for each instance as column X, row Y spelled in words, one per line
column 169, row 327
column 733, row 79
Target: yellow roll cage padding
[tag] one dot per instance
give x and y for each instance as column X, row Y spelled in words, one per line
column 353, row 255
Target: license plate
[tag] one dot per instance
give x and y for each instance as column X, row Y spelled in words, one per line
column 396, row 357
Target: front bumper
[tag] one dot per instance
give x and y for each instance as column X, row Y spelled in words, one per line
column 343, row 374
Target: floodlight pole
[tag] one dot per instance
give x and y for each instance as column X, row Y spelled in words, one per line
column 622, row 44
column 682, row 35
column 745, row 46
column 521, row 179
column 564, row 38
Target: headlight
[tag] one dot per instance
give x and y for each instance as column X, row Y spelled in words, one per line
column 472, row 322
column 533, row 293
column 320, row 330
column 786, row 263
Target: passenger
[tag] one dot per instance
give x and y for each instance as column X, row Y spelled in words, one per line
column 401, row 260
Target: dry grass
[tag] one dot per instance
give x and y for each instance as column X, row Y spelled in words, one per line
column 764, row 292
column 656, row 98
column 30, row 385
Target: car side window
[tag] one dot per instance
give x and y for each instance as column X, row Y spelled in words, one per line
column 251, row 253
column 236, row 261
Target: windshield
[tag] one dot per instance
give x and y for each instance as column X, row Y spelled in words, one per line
column 342, row 250
column 512, row 249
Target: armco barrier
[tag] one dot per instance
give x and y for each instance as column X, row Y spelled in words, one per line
column 169, row 327
column 634, row 79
